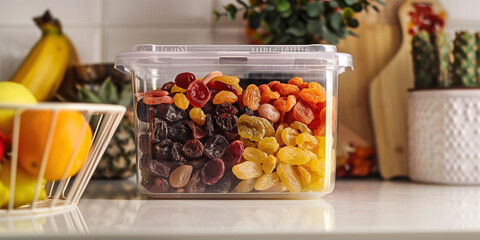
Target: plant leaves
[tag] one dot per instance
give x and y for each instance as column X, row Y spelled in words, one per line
column 217, row 15
column 282, row 5
column 297, row 30
column 347, row 13
column 231, row 11
column 108, row 91
column 357, row 7
column 244, row 4
column 351, row 33
column 283, row 39
column 380, row 2
column 314, row 27
column 85, row 95
column 126, row 98
column 268, row 8
column 335, row 20
column 267, row 40
column 314, row 9
column 333, row 3
column 352, row 22
column 287, row 13
column 254, row 20
column 350, row 2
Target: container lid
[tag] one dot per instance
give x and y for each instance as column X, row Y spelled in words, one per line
column 317, row 56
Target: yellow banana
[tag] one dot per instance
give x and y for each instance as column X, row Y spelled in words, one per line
column 44, row 67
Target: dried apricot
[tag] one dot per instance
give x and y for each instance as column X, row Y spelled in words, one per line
column 302, row 112
column 251, row 97
column 225, row 96
column 285, row 104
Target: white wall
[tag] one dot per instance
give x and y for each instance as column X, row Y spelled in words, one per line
column 102, row 28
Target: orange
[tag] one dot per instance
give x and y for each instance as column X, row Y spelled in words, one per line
column 34, row 127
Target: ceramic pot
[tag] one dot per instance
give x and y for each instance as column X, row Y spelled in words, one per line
column 444, row 136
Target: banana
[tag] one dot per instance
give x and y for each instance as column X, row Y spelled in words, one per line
column 43, row 69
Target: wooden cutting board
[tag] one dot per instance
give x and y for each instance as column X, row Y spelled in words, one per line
column 388, row 101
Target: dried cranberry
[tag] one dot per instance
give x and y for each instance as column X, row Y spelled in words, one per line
column 197, row 131
column 226, row 122
column 220, row 86
column 222, row 185
column 193, row 148
column 233, row 153
column 167, row 86
column 215, row 146
column 158, row 169
column 198, row 94
column 208, row 125
column 183, row 80
column 195, row 184
column 160, row 185
column 177, row 155
column 212, row 171
column 173, row 114
column 198, row 163
column 179, row 132
column 225, row 107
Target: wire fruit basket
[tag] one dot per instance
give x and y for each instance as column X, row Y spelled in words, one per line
column 73, row 139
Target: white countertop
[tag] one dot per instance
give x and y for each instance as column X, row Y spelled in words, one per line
column 360, row 209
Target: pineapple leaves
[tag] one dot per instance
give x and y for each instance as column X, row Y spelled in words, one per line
column 126, row 96
column 108, row 92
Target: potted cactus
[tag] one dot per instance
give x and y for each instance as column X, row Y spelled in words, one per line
column 444, row 109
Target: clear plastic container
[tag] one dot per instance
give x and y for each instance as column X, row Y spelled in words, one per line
column 258, row 142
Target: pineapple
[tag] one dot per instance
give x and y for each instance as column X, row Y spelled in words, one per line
column 465, row 62
column 118, row 161
column 423, row 60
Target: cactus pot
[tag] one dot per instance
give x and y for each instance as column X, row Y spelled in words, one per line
column 444, row 136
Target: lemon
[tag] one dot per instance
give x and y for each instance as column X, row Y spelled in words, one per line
column 24, row 185
column 12, row 92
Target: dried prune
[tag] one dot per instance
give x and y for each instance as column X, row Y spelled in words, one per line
column 222, row 185
column 177, row 155
column 245, row 111
column 215, row 146
column 196, row 185
column 174, row 114
column 144, row 159
column 197, row 131
column 144, row 143
column 158, row 169
column 144, row 111
column 198, row 163
column 167, row 86
column 161, row 129
column 208, row 125
column 161, row 151
column 225, row 108
column 193, row 148
column 179, row 132
column 226, row 122
column 233, row 153
column 160, row 185
column 212, row 171
column 209, row 107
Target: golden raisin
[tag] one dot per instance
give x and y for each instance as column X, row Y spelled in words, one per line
column 293, row 155
column 305, row 175
column 278, row 134
column 270, row 164
column 247, row 170
column 266, row 181
column 289, row 177
column 197, row 115
column 268, row 145
column 254, row 155
column 181, row 101
column 177, row 89
column 245, row 186
column 225, row 96
column 306, row 141
column 289, row 135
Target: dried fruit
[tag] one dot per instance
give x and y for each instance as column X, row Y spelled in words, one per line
column 217, row 87
column 160, row 185
column 301, row 127
column 192, row 148
column 143, row 143
column 285, row 104
column 225, row 108
column 233, row 153
column 289, row 135
column 167, row 86
column 180, row 176
column 305, row 176
column 293, row 155
column 297, row 81
column 286, row 89
column 177, row 89
column 180, row 101
column 231, row 135
column 269, row 130
column 215, row 146
column 155, row 97
column 183, row 80
column 306, row 141
column 266, row 181
column 226, row 122
column 212, row 171
column 254, row 155
column 245, row 186
column 247, row 170
column 195, row 184
column 317, row 165
column 221, row 186
column 197, row 131
column 161, row 129
column 267, row 94
column 278, row 134
column 246, row 111
column 289, row 177
column 312, row 96
column 315, row 85
column 278, row 187
column 225, row 96
column 197, row 115
column 179, row 132
column 269, row 145
column 208, row 125
column 210, row 76
column 158, row 169
column 198, row 94
column 172, row 113
column 270, row 164
column 248, row 143
column 177, row 155
column 269, row 112
column 250, row 127
column 162, row 149
column 303, row 113
column 318, row 183
column 198, row 163
column 251, row 97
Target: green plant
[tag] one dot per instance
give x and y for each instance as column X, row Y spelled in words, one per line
column 299, row 21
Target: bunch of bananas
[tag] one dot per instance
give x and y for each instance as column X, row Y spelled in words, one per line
column 43, row 69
